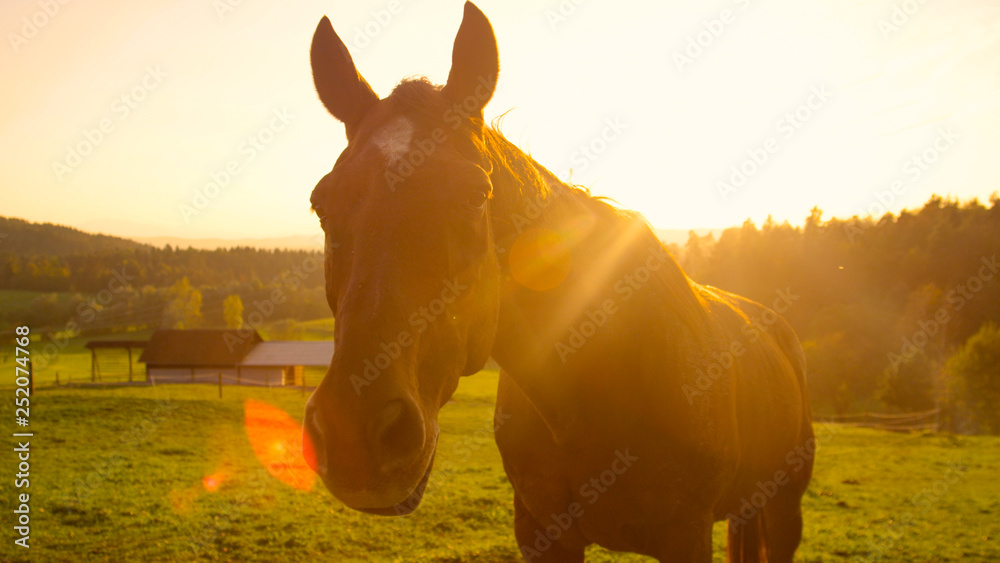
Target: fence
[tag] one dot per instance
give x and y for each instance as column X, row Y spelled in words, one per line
column 310, row 377
column 925, row 420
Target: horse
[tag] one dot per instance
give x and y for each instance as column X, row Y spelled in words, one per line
column 635, row 407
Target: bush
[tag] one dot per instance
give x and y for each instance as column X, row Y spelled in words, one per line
column 974, row 381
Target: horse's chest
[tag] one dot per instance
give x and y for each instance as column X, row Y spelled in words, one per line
column 609, row 492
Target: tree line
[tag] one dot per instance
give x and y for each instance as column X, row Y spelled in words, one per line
column 883, row 306
column 98, row 283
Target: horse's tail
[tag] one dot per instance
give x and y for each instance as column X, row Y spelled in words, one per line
column 747, row 543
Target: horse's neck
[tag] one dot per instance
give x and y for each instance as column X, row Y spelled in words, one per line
column 606, row 246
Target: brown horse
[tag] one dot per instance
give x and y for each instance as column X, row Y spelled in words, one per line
column 638, row 407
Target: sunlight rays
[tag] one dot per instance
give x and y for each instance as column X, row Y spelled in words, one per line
column 600, row 272
column 540, row 259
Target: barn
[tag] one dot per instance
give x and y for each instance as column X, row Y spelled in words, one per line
column 238, row 356
column 284, row 361
column 179, row 356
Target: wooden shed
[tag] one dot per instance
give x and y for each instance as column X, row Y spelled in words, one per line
column 95, row 345
column 188, row 356
column 284, row 361
column 240, row 357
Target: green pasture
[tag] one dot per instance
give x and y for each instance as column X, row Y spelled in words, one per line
column 117, row 475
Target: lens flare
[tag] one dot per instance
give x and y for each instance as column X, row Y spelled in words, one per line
column 277, row 442
column 540, row 259
column 214, row 481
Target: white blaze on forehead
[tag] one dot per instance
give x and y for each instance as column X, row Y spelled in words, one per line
column 393, row 140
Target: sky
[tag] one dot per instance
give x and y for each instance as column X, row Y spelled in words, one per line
column 198, row 118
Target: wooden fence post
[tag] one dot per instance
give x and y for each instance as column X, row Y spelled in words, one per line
column 220, row 384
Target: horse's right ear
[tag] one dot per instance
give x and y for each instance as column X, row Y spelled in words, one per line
column 343, row 91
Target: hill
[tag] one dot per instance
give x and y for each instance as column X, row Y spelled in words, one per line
column 293, row 242
column 55, row 258
column 54, row 277
column 47, row 239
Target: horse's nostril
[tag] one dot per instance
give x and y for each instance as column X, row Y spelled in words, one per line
column 397, row 430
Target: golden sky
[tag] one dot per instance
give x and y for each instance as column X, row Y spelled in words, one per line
column 118, row 116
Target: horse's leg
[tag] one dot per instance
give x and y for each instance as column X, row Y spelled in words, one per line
column 771, row 535
column 745, row 541
column 783, row 526
column 533, row 542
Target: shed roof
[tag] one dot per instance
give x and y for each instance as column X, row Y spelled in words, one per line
column 290, row 353
column 201, row 347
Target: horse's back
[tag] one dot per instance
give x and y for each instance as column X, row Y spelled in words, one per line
column 769, row 398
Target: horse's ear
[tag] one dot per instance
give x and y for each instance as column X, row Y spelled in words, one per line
column 474, row 63
column 343, row 91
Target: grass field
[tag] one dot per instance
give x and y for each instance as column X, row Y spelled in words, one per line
column 119, row 474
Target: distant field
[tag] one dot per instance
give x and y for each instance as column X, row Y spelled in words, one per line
column 118, row 474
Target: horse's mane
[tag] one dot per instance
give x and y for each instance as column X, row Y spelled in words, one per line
column 517, row 177
column 531, row 179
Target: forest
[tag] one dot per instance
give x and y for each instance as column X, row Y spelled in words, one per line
column 887, row 309
column 95, row 284
column 896, row 313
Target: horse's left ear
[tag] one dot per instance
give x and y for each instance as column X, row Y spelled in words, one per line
column 474, row 63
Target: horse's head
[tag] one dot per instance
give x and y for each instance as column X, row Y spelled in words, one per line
column 411, row 274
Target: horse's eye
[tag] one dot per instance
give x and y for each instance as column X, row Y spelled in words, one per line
column 319, row 214
column 476, row 198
